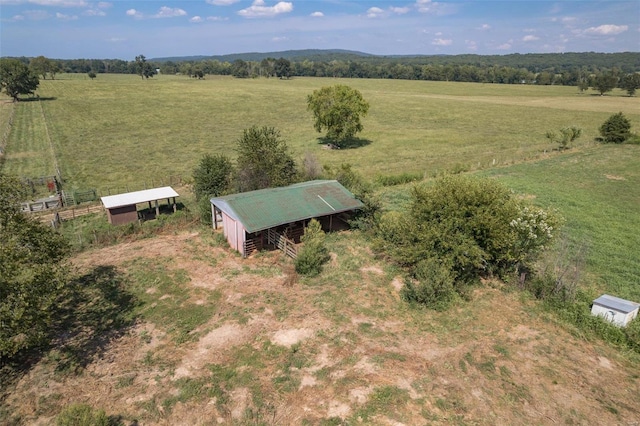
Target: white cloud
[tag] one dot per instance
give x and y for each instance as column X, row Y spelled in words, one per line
column 222, row 2
column 374, row 12
column 60, row 3
column 317, row 14
column 399, row 10
column 484, row 27
column 116, row 40
column 439, row 33
column 258, row 8
column 442, row 42
column 94, row 12
column 437, row 8
column 169, row 12
column 278, row 39
column 530, row 38
column 18, row 18
column 471, row 45
column 64, row 17
column 195, row 19
column 216, row 18
column 104, row 5
column 36, row 15
column 425, row 6
column 505, row 46
column 134, row 13
column 606, row 30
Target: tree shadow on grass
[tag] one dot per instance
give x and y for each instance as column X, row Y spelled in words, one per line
column 97, row 310
column 94, row 310
column 352, row 143
column 37, row 98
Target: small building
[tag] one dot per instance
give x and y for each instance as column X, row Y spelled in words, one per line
column 277, row 216
column 122, row 208
column 614, row 309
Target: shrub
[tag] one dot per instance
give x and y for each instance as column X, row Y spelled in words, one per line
column 433, row 285
column 616, row 129
column 212, row 177
column 566, row 136
column 473, row 227
column 313, row 254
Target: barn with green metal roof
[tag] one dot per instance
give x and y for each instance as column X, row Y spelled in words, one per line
column 275, row 216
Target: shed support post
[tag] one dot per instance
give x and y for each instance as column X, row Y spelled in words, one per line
column 214, row 213
column 175, row 207
column 157, row 209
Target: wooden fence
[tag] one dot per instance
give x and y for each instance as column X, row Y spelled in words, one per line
column 283, row 243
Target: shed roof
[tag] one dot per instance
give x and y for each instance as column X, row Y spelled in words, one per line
column 615, row 303
column 268, row 208
column 136, row 197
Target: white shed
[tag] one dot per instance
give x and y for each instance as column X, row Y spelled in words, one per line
column 613, row 309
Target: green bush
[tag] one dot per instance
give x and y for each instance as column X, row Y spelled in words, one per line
column 82, row 415
column 313, row 254
column 474, row 227
column 433, row 285
column 616, row 129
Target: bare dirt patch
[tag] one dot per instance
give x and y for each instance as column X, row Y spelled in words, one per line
column 614, row 177
column 321, row 349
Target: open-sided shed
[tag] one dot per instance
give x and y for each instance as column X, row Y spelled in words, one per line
column 122, row 208
column 614, row 309
column 251, row 219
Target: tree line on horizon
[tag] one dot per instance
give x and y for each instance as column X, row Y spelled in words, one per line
column 569, row 69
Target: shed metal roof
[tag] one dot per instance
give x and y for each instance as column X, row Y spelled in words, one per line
column 136, row 197
column 271, row 207
column 616, row 303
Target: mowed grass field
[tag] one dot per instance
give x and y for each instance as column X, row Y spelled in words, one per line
column 118, row 130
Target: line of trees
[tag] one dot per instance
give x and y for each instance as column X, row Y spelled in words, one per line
column 572, row 69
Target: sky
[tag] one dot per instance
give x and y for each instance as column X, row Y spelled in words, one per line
column 72, row 29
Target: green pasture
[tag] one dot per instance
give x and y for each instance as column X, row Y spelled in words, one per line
column 597, row 190
column 120, row 130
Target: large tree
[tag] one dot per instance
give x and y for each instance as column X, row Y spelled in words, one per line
column 144, row 68
column 605, row 82
column 16, row 79
column 282, row 68
column 630, row 83
column 40, row 66
column 337, row 109
column 32, row 273
column 264, row 160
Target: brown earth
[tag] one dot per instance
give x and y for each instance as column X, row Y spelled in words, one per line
column 365, row 357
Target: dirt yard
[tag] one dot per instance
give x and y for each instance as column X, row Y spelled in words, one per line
column 269, row 348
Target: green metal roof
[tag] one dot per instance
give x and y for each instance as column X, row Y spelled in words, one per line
column 268, row 208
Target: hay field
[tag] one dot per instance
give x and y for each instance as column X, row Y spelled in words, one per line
column 118, row 130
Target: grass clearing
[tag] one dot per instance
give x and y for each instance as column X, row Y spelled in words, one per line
column 119, row 130
column 176, row 328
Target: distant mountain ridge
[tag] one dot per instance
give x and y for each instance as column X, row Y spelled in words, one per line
column 310, row 54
